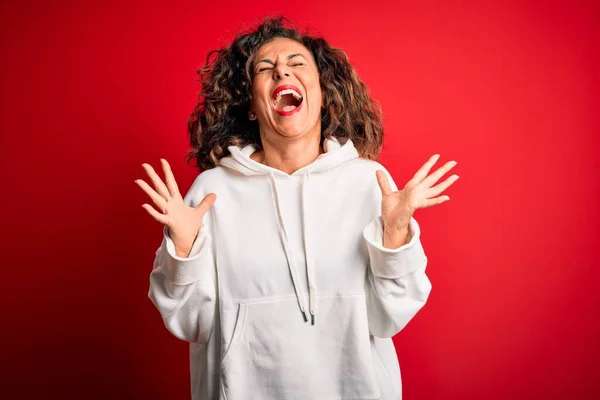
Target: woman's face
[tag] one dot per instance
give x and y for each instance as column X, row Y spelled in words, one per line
column 286, row 93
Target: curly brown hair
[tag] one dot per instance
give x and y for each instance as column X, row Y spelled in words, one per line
column 220, row 119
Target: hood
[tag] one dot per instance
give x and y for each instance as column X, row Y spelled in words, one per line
column 335, row 154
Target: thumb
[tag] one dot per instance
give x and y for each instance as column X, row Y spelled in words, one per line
column 383, row 182
column 206, row 203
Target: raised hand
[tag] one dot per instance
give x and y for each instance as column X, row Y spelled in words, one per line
column 184, row 222
column 398, row 207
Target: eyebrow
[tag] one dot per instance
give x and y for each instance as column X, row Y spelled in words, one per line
column 266, row 60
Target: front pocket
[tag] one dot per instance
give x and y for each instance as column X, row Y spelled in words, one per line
column 274, row 354
column 237, row 330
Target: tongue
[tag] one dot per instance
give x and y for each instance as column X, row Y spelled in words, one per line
column 288, row 107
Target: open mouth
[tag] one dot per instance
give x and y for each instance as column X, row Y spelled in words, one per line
column 287, row 100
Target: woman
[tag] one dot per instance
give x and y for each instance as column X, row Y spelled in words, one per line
column 290, row 283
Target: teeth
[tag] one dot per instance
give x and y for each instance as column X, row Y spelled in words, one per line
column 287, row 91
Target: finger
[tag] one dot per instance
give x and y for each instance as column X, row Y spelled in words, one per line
column 433, row 178
column 162, row 218
column 383, row 182
column 434, row 202
column 158, row 183
column 160, row 202
column 206, row 203
column 438, row 189
column 424, row 170
column 170, row 178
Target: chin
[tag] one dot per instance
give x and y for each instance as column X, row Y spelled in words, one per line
column 295, row 130
column 290, row 132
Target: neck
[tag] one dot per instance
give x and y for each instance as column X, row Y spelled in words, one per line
column 290, row 155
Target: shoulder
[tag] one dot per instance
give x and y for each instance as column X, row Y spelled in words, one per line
column 210, row 176
column 206, row 182
column 367, row 164
column 363, row 166
column 364, row 170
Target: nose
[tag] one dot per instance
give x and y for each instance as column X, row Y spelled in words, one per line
column 280, row 71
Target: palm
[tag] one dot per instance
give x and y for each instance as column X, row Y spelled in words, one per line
column 184, row 222
column 397, row 207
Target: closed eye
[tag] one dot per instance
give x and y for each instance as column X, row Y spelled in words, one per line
column 268, row 68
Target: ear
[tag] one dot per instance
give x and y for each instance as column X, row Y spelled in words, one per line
column 251, row 116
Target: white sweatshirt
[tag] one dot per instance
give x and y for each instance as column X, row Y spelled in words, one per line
column 288, row 292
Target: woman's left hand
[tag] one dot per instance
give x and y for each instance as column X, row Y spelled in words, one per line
column 398, row 207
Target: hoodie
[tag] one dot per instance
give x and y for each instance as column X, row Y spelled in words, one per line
column 288, row 292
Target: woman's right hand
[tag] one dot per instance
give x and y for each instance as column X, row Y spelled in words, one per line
column 184, row 222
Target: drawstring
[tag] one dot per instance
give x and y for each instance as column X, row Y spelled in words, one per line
column 310, row 269
column 288, row 254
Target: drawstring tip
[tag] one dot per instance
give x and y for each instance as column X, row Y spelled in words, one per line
column 312, row 319
column 304, row 315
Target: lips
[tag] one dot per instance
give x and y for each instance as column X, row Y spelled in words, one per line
column 287, row 100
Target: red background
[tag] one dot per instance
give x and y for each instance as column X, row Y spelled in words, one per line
column 90, row 90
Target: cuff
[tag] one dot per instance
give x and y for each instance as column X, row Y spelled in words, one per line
column 393, row 263
column 183, row 271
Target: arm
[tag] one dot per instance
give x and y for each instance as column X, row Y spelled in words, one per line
column 183, row 278
column 184, row 289
column 397, row 284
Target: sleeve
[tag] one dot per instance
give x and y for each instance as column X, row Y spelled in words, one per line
column 184, row 289
column 397, row 286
